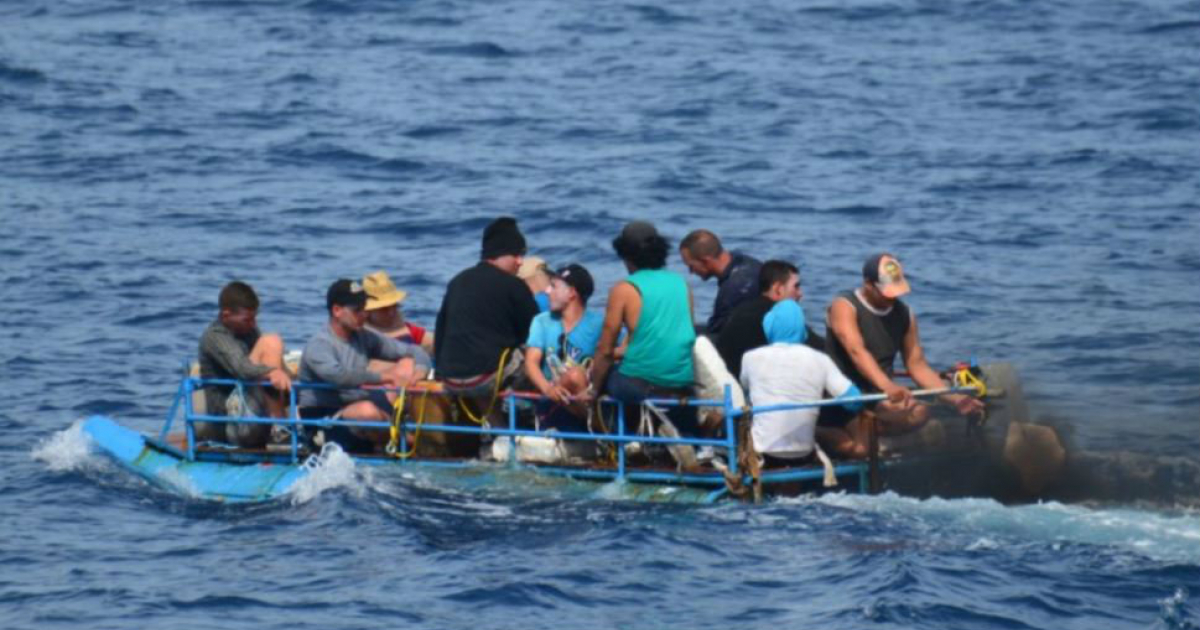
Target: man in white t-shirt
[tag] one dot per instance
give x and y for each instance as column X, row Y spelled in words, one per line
column 787, row 371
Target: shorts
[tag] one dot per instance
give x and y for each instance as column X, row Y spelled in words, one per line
column 633, row 391
column 480, row 385
column 552, row 415
column 376, row 396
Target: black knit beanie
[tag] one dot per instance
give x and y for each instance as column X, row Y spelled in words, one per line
column 502, row 237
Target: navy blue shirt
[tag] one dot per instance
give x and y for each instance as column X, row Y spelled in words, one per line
column 738, row 284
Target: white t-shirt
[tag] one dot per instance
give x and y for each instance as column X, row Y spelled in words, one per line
column 788, row 373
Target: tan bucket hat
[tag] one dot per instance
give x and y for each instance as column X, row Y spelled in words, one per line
column 381, row 292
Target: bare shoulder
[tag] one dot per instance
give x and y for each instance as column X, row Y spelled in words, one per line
column 621, row 293
column 841, row 310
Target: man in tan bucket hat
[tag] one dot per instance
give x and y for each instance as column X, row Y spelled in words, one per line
column 385, row 315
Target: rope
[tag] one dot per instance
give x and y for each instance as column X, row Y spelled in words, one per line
column 392, row 446
column 482, row 421
column 748, row 460
column 964, row 377
column 830, row 478
column 394, row 429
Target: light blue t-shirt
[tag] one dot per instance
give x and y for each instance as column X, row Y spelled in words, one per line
column 547, row 329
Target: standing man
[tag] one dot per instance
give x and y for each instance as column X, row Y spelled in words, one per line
column 655, row 306
column 345, row 355
column 560, row 343
column 736, row 274
column 778, row 280
column 868, row 327
column 485, row 317
column 232, row 347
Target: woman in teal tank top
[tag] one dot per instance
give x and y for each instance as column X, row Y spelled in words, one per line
column 660, row 350
column 658, row 361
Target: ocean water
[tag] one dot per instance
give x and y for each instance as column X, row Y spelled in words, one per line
column 1035, row 165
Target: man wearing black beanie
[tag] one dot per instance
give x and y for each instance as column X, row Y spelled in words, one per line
column 485, row 317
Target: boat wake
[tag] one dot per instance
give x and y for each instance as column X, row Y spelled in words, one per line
column 330, row 469
column 1165, row 535
column 66, row 450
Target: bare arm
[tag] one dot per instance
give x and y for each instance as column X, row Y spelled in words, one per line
column 914, row 359
column 533, row 370
column 620, row 299
column 927, row 377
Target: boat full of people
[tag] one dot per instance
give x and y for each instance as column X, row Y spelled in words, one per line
column 518, row 372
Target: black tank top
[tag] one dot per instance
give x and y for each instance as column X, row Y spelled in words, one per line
column 882, row 335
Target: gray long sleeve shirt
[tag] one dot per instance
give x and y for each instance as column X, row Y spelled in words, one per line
column 225, row 355
column 345, row 363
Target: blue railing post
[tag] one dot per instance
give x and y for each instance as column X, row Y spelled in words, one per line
column 731, row 430
column 512, row 426
column 620, row 443
column 188, row 412
column 294, row 416
column 174, row 411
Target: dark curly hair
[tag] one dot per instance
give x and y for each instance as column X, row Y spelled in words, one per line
column 649, row 253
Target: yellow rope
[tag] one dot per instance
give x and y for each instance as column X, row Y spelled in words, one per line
column 392, row 448
column 394, row 429
column 965, row 378
column 482, row 421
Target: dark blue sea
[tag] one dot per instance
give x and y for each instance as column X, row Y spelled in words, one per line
column 1036, row 165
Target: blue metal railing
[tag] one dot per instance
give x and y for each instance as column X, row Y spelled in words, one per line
column 190, row 385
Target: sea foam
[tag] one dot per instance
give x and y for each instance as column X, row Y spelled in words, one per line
column 69, row 449
column 1166, row 535
column 329, row 469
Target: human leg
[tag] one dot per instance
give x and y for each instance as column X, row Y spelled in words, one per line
column 268, row 351
column 898, row 419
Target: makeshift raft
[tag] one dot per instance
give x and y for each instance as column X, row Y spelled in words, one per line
column 218, row 472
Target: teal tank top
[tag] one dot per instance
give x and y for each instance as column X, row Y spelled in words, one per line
column 661, row 348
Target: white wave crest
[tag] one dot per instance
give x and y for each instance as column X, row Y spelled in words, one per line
column 331, row 468
column 1158, row 535
column 69, row 449
column 1172, row 609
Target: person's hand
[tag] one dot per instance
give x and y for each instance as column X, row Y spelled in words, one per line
column 967, row 405
column 898, row 394
column 403, row 374
column 279, row 379
column 557, row 393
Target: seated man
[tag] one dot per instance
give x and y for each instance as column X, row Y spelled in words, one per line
column 777, row 280
column 385, row 316
column 484, row 319
column 232, row 347
column 789, row 372
column 560, row 343
column 736, row 274
column 535, row 273
column 868, row 327
column 346, row 356
column 655, row 306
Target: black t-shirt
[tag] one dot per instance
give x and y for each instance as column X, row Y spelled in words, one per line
column 737, row 285
column 743, row 332
column 484, row 312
